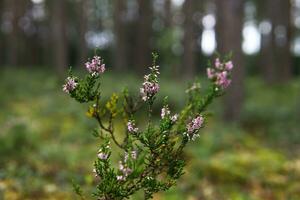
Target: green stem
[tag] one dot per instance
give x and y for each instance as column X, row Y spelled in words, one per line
column 150, row 110
column 207, row 99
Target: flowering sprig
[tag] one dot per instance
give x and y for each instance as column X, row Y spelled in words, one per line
column 153, row 157
column 95, row 66
column 220, row 73
column 150, row 85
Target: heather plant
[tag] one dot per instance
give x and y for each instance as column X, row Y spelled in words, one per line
column 152, row 157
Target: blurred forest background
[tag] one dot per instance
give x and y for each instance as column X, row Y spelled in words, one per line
column 251, row 146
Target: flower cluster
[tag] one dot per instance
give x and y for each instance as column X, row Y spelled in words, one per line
column 150, row 84
column 194, row 126
column 131, row 127
column 95, row 66
column 126, row 171
column 123, row 166
column 70, row 85
column 220, row 74
column 174, row 118
column 165, row 113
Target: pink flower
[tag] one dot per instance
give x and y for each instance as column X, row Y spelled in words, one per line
column 70, row 85
column 218, row 64
column 126, row 171
column 210, row 73
column 150, row 85
column 121, row 178
column 174, row 118
column 148, row 90
column 121, row 166
column 126, row 157
column 222, row 79
column 102, row 156
column 131, row 127
column 165, row 112
column 95, row 66
column 194, row 126
column 220, row 74
column 229, row 65
column 134, row 155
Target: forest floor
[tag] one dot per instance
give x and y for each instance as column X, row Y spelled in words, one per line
column 46, row 140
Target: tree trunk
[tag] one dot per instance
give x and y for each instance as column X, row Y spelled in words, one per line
column 275, row 53
column 168, row 13
column 14, row 39
column 268, row 47
column 13, row 54
column 229, row 39
column 143, row 45
column 189, row 39
column 282, row 32
column 83, row 26
column 2, row 46
column 60, row 49
column 121, row 62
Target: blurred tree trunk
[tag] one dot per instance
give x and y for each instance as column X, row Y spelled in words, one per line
column 276, row 54
column 268, row 46
column 59, row 40
column 144, row 32
column 83, row 26
column 189, row 39
column 168, row 13
column 14, row 39
column 120, row 48
column 283, row 32
column 2, row 46
column 229, row 38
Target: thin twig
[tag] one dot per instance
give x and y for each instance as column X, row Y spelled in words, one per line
column 108, row 129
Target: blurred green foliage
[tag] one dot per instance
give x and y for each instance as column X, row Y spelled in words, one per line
column 46, row 140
